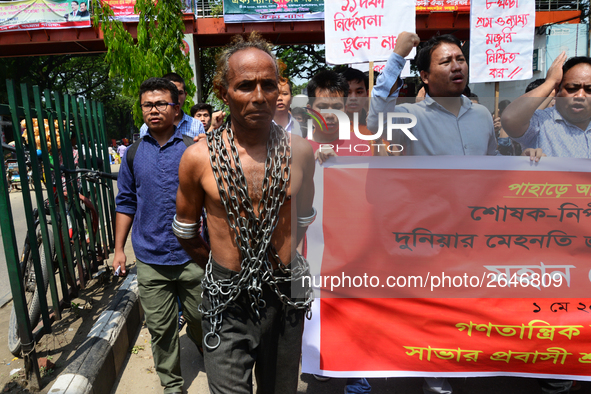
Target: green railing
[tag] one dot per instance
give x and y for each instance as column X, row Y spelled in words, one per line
column 72, row 251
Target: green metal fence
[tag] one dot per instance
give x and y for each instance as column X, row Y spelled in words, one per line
column 71, row 249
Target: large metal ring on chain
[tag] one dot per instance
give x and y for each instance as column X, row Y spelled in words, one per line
column 216, row 343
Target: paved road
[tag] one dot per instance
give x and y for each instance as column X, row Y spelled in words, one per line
column 20, row 227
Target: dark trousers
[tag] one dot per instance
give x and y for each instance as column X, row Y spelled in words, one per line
column 271, row 343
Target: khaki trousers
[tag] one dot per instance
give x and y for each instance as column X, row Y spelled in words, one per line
column 159, row 287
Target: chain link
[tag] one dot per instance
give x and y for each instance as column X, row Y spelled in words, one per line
column 253, row 233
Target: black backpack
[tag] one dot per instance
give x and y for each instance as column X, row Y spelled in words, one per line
column 130, row 152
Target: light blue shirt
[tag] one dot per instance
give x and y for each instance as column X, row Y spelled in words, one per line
column 381, row 100
column 438, row 131
column 556, row 136
column 187, row 126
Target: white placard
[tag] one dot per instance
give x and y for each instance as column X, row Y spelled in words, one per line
column 501, row 40
column 358, row 31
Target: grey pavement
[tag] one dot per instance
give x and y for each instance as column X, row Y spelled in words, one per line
column 20, row 227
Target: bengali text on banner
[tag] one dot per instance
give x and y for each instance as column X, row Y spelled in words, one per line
column 363, row 31
column 239, row 11
column 458, row 266
column 43, row 14
column 501, row 40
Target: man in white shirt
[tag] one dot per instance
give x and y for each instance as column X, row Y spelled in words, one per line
column 282, row 116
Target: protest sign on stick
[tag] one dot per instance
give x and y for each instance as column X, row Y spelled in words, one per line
column 501, row 40
column 358, row 31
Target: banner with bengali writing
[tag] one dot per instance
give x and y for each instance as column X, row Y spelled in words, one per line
column 501, row 40
column 443, row 5
column 456, row 266
column 124, row 9
column 238, row 11
column 365, row 30
column 43, row 14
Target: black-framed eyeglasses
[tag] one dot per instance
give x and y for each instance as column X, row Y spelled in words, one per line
column 160, row 106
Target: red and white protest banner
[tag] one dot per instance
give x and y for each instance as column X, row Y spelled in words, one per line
column 124, row 10
column 450, row 266
column 358, row 31
column 501, row 40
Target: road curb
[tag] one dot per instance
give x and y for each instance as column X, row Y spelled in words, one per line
column 96, row 364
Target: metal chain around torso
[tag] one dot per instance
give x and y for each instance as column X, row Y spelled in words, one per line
column 253, row 233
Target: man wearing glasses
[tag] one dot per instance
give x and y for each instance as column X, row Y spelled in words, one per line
column 183, row 122
column 147, row 199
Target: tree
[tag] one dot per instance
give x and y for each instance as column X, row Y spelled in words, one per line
column 40, row 71
column 79, row 76
column 298, row 89
column 158, row 49
column 207, row 63
column 217, row 7
column 302, row 61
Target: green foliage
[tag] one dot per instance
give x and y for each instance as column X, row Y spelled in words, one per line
column 207, row 60
column 79, row 76
column 136, row 349
column 297, row 89
column 157, row 51
column 302, row 61
column 43, row 372
column 207, row 57
column 217, row 7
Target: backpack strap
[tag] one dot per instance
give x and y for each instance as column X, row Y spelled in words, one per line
column 188, row 140
column 130, row 152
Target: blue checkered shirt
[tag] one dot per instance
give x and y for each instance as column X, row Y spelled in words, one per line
column 556, row 136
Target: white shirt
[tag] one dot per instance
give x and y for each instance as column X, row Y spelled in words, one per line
column 293, row 126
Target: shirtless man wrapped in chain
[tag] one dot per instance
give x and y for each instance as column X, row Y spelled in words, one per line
column 255, row 182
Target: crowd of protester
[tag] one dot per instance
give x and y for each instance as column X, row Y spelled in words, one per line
column 551, row 118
